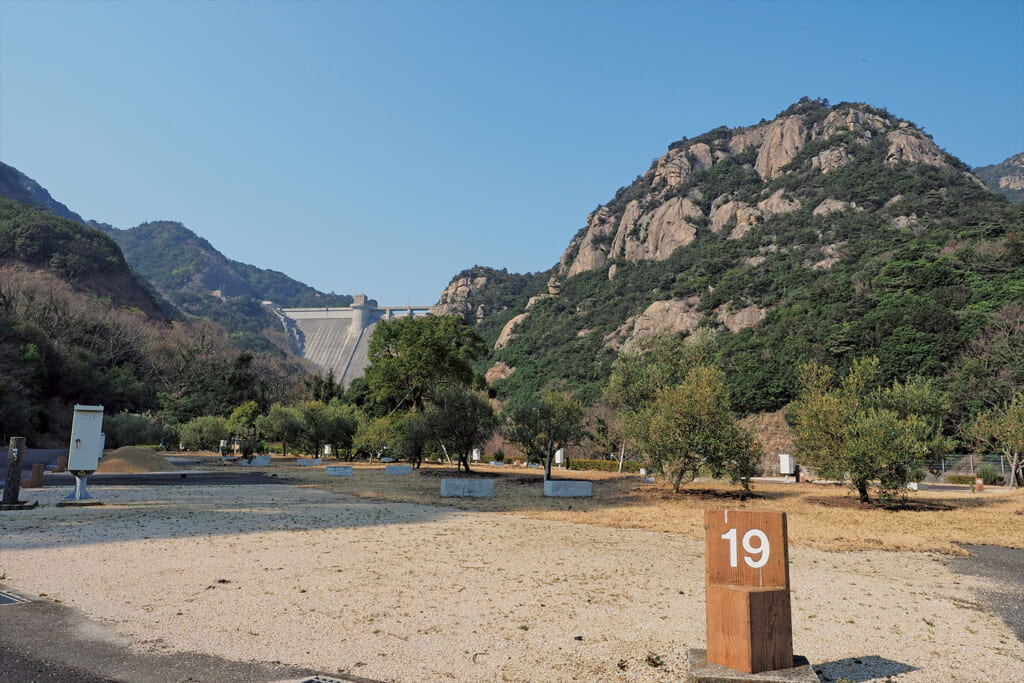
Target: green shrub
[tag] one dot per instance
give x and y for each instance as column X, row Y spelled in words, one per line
column 604, row 465
column 963, row 479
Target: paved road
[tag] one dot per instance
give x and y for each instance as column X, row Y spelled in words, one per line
column 1005, row 568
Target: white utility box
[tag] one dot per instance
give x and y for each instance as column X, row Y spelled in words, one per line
column 786, row 464
column 560, row 457
column 86, row 439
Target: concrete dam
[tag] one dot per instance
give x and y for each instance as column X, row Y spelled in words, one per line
column 338, row 338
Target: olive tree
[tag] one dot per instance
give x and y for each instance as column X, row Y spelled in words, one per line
column 852, row 429
column 543, row 425
column 689, row 429
column 459, row 420
column 1002, row 429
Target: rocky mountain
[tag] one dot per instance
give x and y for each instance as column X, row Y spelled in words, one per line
column 827, row 233
column 1006, row 178
column 17, row 186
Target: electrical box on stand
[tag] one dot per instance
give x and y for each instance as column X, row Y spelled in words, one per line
column 86, row 447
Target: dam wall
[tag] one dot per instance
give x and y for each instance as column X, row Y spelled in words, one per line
column 338, row 338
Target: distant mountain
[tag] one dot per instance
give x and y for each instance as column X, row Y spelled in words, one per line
column 1006, row 178
column 17, row 186
column 203, row 283
column 177, row 260
column 828, row 233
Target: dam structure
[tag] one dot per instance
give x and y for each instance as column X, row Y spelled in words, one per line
column 337, row 339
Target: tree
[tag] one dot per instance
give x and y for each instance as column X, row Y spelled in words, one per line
column 853, row 429
column 375, row 435
column 323, row 424
column 411, row 358
column 639, row 374
column 459, row 420
column 689, row 429
column 204, row 433
column 243, row 419
column 1002, row 429
column 540, row 427
column 281, row 423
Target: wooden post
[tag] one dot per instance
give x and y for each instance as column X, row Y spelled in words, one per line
column 746, row 562
column 15, row 456
column 36, row 480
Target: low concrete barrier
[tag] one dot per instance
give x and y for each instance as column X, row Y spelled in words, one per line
column 257, row 461
column 309, row 462
column 563, row 488
column 398, row 469
column 338, row 470
column 467, row 488
column 496, row 463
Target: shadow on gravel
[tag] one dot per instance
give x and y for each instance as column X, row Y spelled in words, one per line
column 860, row 669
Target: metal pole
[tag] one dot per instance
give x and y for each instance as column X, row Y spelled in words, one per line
column 15, row 456
column 972, row 464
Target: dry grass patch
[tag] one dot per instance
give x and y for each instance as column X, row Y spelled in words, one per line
column 826, row 517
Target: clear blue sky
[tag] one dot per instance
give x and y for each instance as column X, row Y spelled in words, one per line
column 382, row 147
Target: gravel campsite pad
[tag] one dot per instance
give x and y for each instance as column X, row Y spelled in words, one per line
column 402, row 592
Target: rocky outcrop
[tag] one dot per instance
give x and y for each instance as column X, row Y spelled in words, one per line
column 508, row 331
column 736, row 320
column 673, row 316
column 454, row 300
column 830, row 206
column 830, row 160
column 913, row 147
column 832, row 253
column 783, row 140
column 497, row 372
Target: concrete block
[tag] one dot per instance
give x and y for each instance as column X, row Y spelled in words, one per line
column 309, row 462
column 257, row 461
column 703, row 671
column 338, row 470
column 495, row 463
column 467, row 488
column 398, row 469
column 563, row 488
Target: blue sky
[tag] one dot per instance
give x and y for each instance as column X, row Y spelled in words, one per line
column 383, row 147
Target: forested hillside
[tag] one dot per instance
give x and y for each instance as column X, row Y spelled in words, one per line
column 76, row 326
column 829, row 233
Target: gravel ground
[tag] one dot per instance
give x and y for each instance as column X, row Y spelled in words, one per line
column 399, row 592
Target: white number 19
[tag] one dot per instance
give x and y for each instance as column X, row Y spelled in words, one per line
column 762, row 548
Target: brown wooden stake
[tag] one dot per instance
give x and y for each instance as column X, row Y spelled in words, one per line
column 746, row 561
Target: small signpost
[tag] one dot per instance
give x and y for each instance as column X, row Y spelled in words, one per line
column 749, row 623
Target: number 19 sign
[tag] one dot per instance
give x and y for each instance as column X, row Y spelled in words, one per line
column 746, row 548
column 747, row 590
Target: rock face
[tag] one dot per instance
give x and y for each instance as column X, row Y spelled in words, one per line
column 660, row 214
column 508, row 332
column 454, row 298
column 913, row 147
